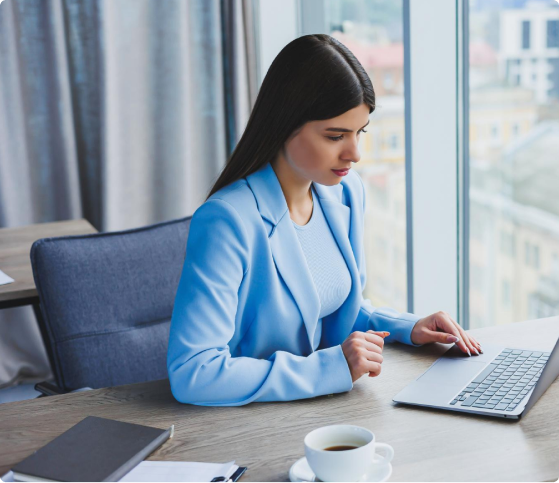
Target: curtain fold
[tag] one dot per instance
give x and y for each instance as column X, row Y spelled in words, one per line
column 122, row 112
column 239, row 66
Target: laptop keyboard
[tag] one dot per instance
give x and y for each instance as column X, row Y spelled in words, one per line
column 504, row 382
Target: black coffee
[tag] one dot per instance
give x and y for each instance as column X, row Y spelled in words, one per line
column 340, row 448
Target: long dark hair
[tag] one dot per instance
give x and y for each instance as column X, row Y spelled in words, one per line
column 313, row 78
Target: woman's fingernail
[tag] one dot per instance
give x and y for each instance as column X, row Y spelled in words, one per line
column 386, row 334
column 469, row 353
column 453, row 338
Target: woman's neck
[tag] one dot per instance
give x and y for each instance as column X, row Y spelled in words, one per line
column 297, row 191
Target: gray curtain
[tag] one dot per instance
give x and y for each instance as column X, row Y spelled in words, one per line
column 122, row 112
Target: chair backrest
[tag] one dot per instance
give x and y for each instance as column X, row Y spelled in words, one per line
column 107, row 301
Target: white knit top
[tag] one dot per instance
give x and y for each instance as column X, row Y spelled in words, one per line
column 325, row 261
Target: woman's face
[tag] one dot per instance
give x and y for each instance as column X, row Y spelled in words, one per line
column 320, row 147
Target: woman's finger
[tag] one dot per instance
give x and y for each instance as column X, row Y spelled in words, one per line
column 372, row 347
column 472, row 347
column 467, row 341
column 373, row 368
column 374, row 357
column 453, row 328
column 477, row 344
column 374, row 337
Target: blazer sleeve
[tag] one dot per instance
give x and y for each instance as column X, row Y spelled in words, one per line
column 200, row 366
column 399, row 324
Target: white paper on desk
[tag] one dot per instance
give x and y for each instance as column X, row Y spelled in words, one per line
column 179, row 471
column 9, row 476
column 4, row 279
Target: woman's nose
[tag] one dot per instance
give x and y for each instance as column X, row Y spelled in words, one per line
column 353, row 153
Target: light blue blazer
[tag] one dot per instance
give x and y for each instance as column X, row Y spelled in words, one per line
column 244, row 324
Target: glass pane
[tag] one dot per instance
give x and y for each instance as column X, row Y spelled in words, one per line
column 373, row 31
column 514, row 161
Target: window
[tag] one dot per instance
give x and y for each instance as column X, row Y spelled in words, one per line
column 513, row 71
column 532, row 255
column 536, row 257
column 512, row 192
column 552, row 34
column 525, row 34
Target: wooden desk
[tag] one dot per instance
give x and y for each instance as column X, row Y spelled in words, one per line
column 430, row 445
column 15, row 245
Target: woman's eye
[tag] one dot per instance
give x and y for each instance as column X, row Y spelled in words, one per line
column 339, row 138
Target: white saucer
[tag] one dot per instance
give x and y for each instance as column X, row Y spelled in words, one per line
column 301, row 471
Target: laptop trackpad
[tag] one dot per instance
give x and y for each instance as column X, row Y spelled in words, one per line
column 452, row 371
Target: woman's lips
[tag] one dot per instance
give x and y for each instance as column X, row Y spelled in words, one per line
column 341, row 172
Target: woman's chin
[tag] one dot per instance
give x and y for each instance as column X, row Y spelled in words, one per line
column 334, row 180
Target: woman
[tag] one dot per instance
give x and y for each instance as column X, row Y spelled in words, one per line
column 269, row 306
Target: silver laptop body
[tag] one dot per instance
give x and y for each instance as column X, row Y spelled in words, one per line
column 504, row 382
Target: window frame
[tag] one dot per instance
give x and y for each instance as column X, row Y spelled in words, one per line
column 434, row 156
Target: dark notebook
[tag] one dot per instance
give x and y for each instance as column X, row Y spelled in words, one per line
column 95, row 449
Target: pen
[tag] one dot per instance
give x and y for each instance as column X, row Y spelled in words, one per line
column 240, row 472
column 234, row 477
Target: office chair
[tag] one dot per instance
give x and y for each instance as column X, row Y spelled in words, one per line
column 106, row 301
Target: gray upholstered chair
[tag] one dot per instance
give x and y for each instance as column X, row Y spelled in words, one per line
column 106, row 303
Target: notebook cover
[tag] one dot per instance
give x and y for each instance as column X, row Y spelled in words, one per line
column 95, row 449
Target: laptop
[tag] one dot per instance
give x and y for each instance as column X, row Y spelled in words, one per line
column 503, row 382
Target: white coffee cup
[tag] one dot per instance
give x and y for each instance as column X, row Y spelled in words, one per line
column 346, row 465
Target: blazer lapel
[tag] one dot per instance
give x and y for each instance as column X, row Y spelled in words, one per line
column 286, row 249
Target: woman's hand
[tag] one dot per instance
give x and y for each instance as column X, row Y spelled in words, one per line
column 440, row 327
column 362, row 351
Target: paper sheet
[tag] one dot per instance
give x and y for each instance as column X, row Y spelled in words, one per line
column 4, row 279
column 179, row 471
column 170, row 471
column 9, row 476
